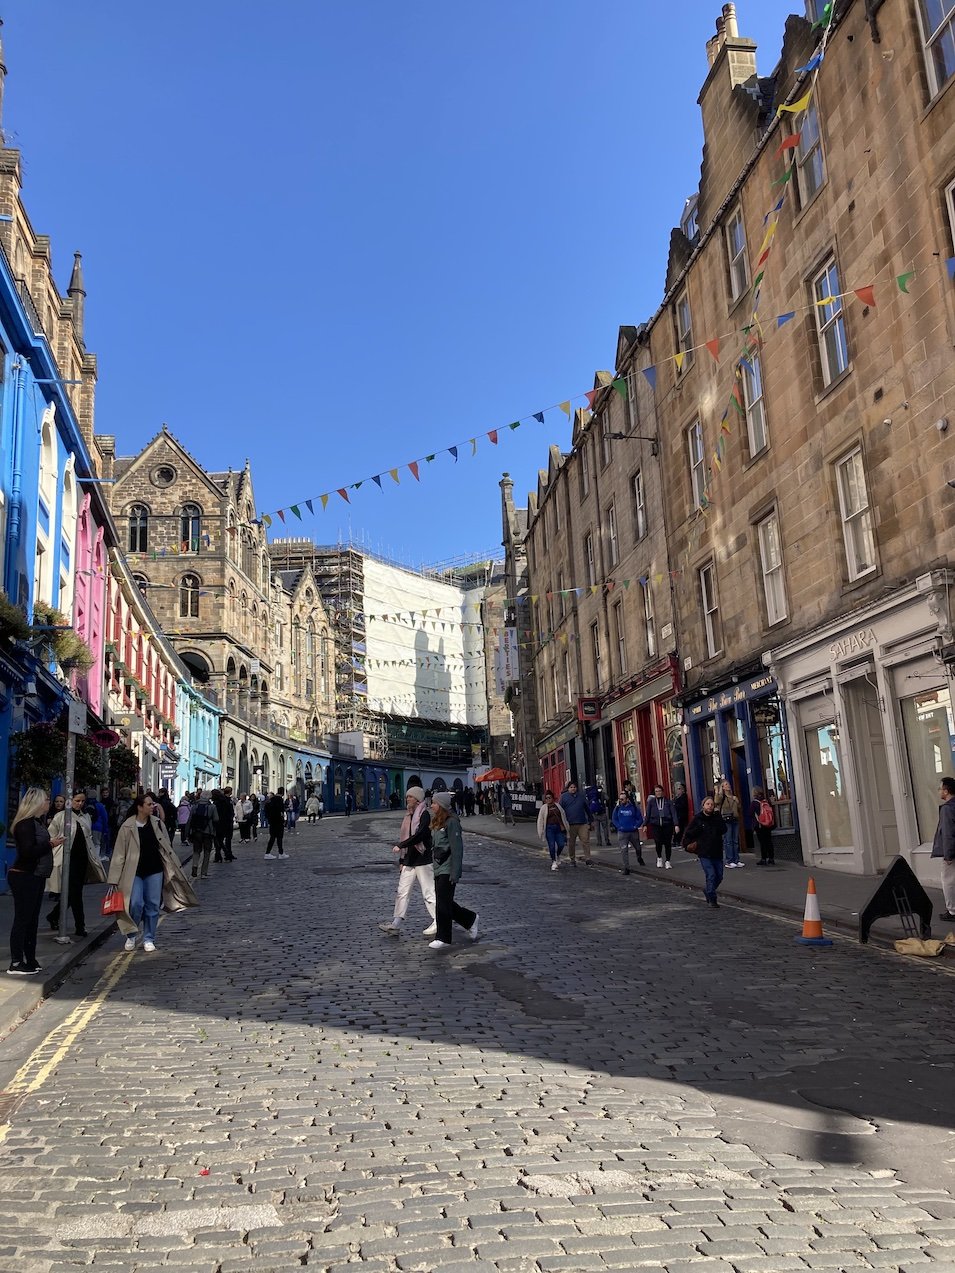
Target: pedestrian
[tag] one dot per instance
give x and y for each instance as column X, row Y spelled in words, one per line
column 627, row 817
column 321, row 807
column 661, row 820
column 84, row 867
column 146, row 870
column 311, row 807
column 59, row 804
column 468, row 802
column 349, row 803
column 704, row 837
column 727, row 805
column 202, row 833
column 681, row 812
column 27, row 877
column 579, row 821
column 263, row 817
column 763, row 819
column 552, row 828
column 99, row 825
column 225, row 824
column 183, row 814
column 274, row 812
column 597, row 804
column 295, row 806
column 943, row 846
column 168, row 812
column 415, row 861
column 256, row 814
column 507, row 806
column 243, row 813
column 447, row 847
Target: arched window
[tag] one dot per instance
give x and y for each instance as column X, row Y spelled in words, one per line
column 310, row 661
column 190, row 528
column 138, row 528
column 189, row 597
column 142, row 583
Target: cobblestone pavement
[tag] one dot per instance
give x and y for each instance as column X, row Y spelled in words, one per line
column 612, row 1077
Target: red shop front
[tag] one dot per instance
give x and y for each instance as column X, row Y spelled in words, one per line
column 648, row 738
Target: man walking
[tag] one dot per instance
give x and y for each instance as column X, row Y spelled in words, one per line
column 202, row 833
column 225, row 824
column 275, row 820
column 579, row 820
column 628, row 820
column 944, row 845
column 414, row 848
column 597, row 804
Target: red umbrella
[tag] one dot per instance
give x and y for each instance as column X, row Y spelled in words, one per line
column 497, row 775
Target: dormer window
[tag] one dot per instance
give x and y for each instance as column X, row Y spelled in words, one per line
column 688, row 222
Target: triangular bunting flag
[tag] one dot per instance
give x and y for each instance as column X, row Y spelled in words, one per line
column 394, row 474
column 903, row 281
column 810, row 65
column 266, row 520
column 565, row 407
column 866, row 295
column 324, row 499
column 474, row 446
column 590, row 395
column 281, row 513
column 515, row 425
column 344, row 494
column 651, row 375
column 781, row 181
column 714, row 347
column 492, row 436
column 539, row 417
column 377, row 480
column 788, row 143
column 783, row 319
column 294, row 508
column 310, row 506
column 453, row 450
column 620, row 384
column 678, row 359
column 795, row 107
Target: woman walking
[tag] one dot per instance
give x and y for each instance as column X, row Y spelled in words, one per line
column 552, row 827
column 84, row 868
column 705, row 835
column 243, row 815
column 415, row 859
column 660, row 820
column 147, row 872
column 763, row 819
column 27, row 878
column 727, row 805
column 183, row 815
column 447, row 847
column 311, row 807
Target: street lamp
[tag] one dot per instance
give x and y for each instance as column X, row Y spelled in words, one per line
column 638, row 437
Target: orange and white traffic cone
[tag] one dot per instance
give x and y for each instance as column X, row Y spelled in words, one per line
column 812, row 920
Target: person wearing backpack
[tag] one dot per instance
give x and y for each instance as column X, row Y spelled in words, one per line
column 201, row 829
column 597, row 804
column 764, row 819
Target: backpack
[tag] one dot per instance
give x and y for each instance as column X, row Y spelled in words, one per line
column 765, row 817
column 200, row 821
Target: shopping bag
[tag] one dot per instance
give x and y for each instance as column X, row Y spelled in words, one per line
column 113, row 903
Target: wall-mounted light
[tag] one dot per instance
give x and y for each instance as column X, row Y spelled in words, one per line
column 637, row 437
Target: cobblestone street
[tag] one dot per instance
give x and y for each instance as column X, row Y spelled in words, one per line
column 612, row 1076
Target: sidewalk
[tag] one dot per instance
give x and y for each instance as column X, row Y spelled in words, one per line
column 780, row 888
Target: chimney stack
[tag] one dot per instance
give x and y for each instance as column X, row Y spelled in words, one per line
column 729, row 22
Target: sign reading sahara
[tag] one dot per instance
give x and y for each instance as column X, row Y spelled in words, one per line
column 505, row 660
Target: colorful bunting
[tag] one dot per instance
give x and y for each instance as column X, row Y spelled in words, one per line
column 787, row 175
column 811, row 65
column 794, row 108
column 565, row 407
column 678, row 359
column 866, row 295
column 282, row 516
column 538, row 416
column 590, row 395
column 453, row 450
column 266, row 520
column 714, row 347
column 344, row 494
column 788, row 143
column 783, row 319
column 324, row 499
column 903, row 281
column 492, row 435
column 515, row 424
column 377, row 480
column 294, row 508
column 393, row 473
column 311, row 507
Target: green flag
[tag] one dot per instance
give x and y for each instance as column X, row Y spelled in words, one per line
column 620, row 384
column 903, row 281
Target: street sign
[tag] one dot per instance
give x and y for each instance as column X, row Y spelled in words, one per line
column 132, row 724
column 77, row 717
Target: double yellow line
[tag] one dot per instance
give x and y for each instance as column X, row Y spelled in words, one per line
column 47, row 1055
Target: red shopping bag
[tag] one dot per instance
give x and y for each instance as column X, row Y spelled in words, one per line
column 113, row 903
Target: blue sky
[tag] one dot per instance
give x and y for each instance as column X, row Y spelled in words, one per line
column 333, row 237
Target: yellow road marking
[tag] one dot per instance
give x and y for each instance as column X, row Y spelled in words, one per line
column 47, row 1055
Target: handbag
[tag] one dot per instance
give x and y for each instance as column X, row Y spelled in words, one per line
column 692, row 847
column 113, row 903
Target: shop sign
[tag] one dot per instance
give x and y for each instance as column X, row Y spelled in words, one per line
column 588, row 709
column 766, row 713
column 854, row 643
column 758, row 687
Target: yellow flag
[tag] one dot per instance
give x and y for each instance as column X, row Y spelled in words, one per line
column 767, row 238
column 565, row 407
column 828, row 300
column 394, row 474
column 795, row 107
column 324, row 499
column 678, row 359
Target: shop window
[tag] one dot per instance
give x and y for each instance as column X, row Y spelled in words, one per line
column 929, row 727
column 710, row 757
column 629, row 753
column 755, row 405
column 937, row 20
column 774, row 769
column 827, row 778
column 736, row 254
column 856, row 514
column 810, row 165
column 830, row 323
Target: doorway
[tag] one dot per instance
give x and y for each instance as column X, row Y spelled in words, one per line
column 876, row 806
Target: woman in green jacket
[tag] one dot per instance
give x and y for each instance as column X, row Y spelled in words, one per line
column 447, row 847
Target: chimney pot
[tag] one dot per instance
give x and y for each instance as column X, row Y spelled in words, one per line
column 729, row 20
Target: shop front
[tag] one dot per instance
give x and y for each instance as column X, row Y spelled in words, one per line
column 738, row 733
column 643, row 737
column 559, row 754
column 869, row 700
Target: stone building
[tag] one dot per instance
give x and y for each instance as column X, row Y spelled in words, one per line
column 813, row 527
column 519, row 683
column 257, row 641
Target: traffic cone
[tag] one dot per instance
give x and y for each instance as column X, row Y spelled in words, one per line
column 812, row 920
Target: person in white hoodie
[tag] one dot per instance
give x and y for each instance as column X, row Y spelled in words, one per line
column 552, row 827
column 415, row 858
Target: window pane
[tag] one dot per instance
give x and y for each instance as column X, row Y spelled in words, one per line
column 935, row 12
column 943, row 55
column 930, row 741
column 827, row 778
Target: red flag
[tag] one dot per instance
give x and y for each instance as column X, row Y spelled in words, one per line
column 344, row 494
column 764, row 257
column 492, row 434
column 590, row 395
column 788, row 143
column 282, row 515
column 714, row 347
column 414, row 469
column 866, row 294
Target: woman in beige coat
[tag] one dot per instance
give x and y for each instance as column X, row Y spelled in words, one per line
column 147, row 871
column 85, row 867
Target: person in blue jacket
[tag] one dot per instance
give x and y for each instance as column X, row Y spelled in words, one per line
column 628, row 820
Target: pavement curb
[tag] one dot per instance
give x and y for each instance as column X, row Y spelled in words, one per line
column 779, row 907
